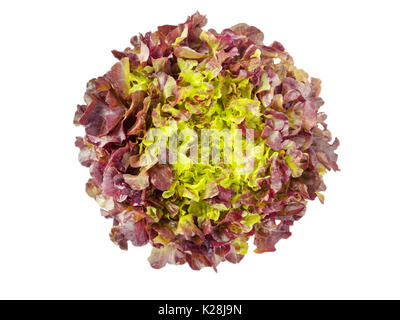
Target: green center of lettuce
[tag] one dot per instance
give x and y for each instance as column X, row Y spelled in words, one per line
column 216, row 102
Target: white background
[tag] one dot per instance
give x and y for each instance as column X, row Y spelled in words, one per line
column 53, row 241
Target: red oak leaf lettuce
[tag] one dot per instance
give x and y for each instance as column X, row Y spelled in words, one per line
column 186, row 77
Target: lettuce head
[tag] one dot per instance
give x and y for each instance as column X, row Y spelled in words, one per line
column 197, row 141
